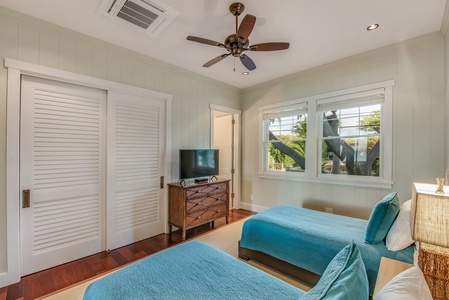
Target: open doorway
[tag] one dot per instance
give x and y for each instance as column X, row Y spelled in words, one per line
column 225, row 136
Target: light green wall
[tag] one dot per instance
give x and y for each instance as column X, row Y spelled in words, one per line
column 27, row 39
column 446, row 81
column 417, row 66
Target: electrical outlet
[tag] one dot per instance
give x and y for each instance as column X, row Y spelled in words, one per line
column 329, row 210
column 251, row 197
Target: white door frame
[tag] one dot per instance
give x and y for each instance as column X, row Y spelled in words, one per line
column 15, row 70
column 237, row 145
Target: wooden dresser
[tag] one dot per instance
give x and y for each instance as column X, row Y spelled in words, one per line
column 197, row 203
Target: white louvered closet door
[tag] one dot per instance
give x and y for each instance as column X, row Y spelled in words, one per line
column 136, row 139
column 62, row 164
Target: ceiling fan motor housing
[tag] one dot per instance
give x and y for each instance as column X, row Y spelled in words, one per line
column 233, row 44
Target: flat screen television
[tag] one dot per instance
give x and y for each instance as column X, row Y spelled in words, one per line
column 197, row 163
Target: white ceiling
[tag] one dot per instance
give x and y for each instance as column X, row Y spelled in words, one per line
column 319, row 31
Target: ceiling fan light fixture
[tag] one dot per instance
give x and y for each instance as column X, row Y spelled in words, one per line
column 245, row 73
column 372, row 27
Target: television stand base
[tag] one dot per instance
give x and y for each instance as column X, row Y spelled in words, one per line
column 202, row 179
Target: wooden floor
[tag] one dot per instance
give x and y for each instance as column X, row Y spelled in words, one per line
column 51, row 280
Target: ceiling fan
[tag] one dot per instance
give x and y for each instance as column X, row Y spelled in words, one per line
column 238, row 42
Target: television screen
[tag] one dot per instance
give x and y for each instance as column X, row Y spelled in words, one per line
column 197, row 163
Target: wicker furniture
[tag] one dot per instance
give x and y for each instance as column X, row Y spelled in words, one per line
column 430, row 226
column 196, row 204
column 434, row 262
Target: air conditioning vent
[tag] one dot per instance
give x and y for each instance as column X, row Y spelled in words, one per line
column 144, row 16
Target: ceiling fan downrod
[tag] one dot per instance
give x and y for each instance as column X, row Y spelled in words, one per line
column 236, row 10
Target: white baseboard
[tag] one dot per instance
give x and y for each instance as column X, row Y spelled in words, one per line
column 252, row 207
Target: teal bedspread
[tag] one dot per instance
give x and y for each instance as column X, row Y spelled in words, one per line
column 310, row 239
column 191, row 270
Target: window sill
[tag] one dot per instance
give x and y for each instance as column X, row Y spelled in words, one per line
column 330, row 179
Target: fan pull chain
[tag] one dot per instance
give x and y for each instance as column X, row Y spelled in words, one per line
column 234, row 64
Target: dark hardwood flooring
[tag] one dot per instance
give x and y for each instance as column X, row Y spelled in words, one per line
column 60, row 277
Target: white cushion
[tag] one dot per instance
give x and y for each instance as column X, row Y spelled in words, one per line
column 408, row 285
column 400, row 234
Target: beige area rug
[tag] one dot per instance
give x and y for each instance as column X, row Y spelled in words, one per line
column 224, row 238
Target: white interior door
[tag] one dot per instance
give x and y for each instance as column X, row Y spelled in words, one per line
column 226, row 137
column 62, row 164
column 136, row 162
column 223, row 141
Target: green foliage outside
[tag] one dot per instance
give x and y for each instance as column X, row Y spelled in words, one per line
column 277, row 156
column 299, row 132
column 370, row 123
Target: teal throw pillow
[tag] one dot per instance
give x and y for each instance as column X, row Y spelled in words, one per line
column 344, row 278
column 381, row 219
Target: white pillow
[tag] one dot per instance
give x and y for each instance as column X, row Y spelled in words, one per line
column 400, row 234
column 408, row 285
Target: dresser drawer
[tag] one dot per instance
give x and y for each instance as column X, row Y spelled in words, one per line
column 205, row 191
column 205, row 215
column 209, row 200
column 216, row 188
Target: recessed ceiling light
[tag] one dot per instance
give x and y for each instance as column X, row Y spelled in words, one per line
column 372, row 27
column 245, row 73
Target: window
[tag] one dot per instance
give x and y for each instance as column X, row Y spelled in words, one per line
column 285, row 146
column 350, row 134
column 347, row 136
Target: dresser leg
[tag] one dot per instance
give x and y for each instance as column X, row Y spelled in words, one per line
column 183, row 235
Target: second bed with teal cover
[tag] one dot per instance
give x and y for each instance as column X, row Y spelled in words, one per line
column 310, row 239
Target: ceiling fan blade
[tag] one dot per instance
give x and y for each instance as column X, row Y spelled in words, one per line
column 246, row 27
column 269, row 46
column 204, row 41
column 215, row 60
column 247, row 62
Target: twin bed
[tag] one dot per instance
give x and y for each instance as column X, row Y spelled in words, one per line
column 192, row 270
column 197, row 271
column 303, row 243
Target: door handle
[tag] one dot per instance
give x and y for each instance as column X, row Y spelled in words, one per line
column 26, row 198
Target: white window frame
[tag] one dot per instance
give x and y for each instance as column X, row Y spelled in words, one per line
column 287, row 109
column 314, row 132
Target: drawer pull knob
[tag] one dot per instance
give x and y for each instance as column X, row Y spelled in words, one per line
column 199, row 217
column 218, row 210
